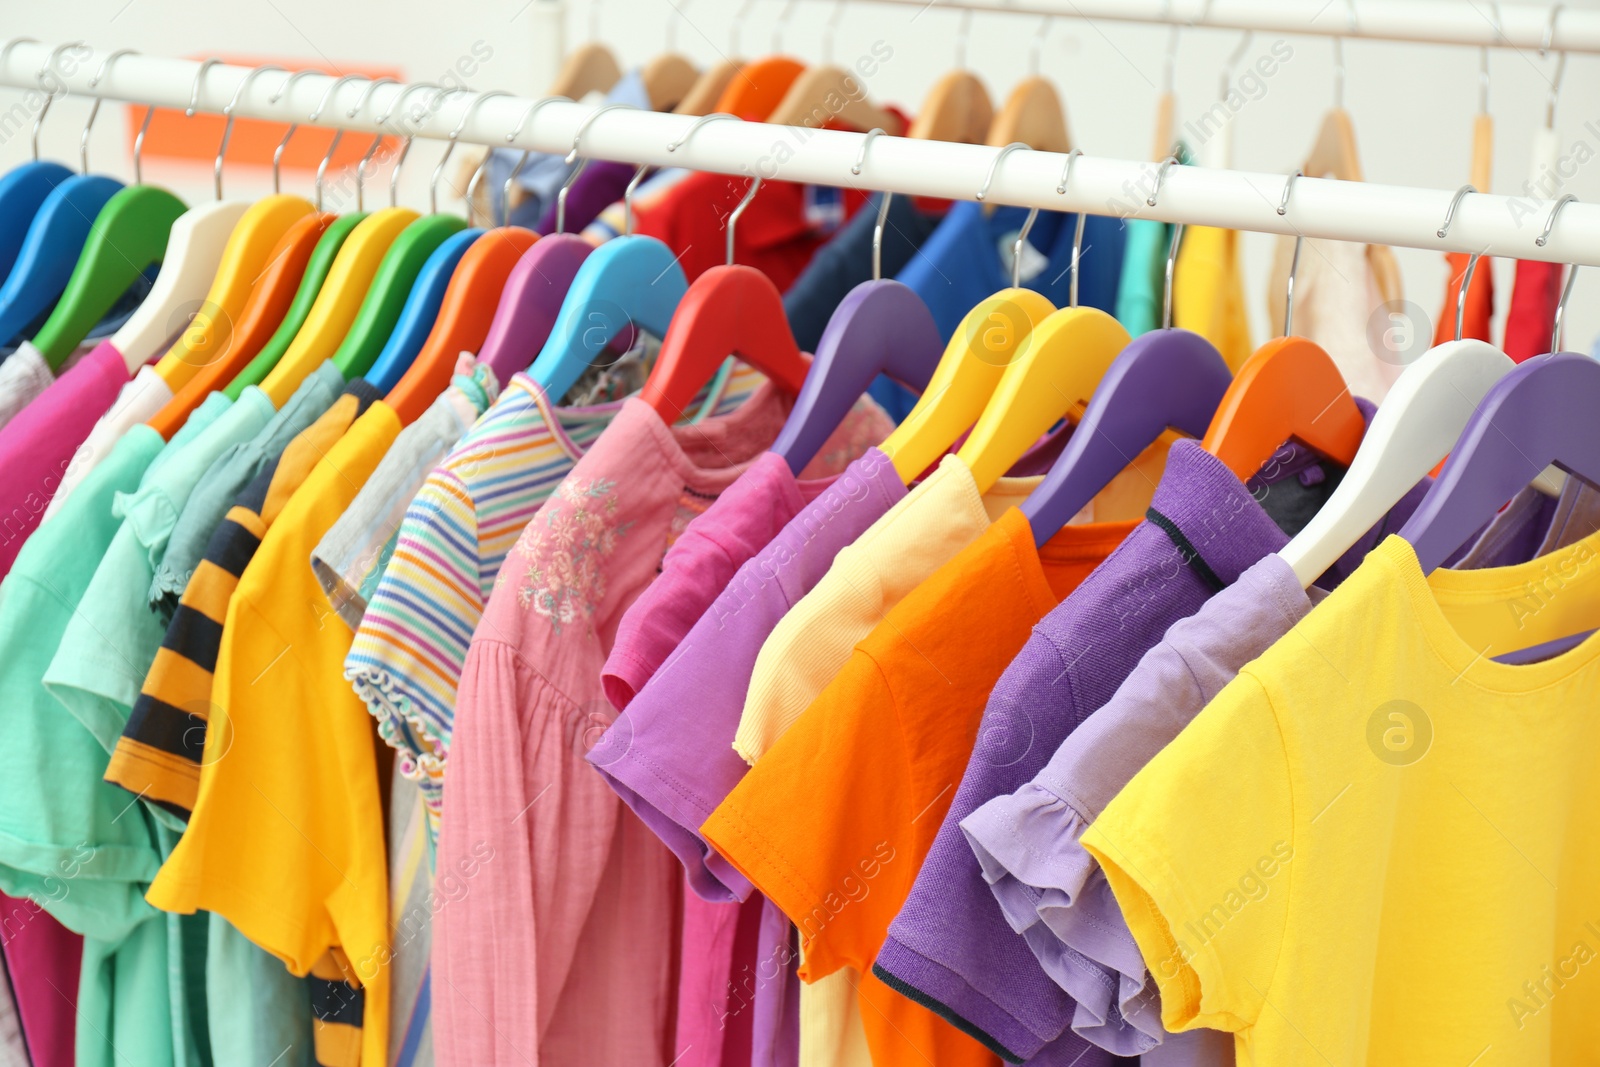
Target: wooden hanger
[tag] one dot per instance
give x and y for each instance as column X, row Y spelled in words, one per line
column 702, row 97
column 1033, row 115
column 759, row 88
column 667, row 80
column 957, row 109
column 591, row 68
column 1333, row 154
column 824, row 95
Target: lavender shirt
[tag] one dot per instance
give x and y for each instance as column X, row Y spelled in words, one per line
column 951, row 948
column 1027, row 842
column 670, row 754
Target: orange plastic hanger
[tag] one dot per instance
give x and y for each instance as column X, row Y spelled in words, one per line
column 1290, row 388
column 727, row 311
column 470, row 302
column 259, row 319
column 759, row 87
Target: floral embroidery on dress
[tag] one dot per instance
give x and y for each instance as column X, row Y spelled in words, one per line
column 565, row 547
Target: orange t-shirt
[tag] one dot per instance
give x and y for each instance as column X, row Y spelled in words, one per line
column 834, row 821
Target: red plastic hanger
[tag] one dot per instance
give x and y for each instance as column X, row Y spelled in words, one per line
column 469, row 306
column 727, row 311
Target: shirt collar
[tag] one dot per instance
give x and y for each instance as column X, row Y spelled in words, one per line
column 1211, row 516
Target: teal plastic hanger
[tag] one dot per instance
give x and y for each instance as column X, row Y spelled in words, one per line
column 628, row 281
column 421, row 309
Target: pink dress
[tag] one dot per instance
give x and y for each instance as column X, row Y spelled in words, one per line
column 563, row 948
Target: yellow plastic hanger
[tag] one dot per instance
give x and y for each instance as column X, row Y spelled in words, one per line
column 349, row 279
column 993, row 337
column 1050, row 378
column 244, row 259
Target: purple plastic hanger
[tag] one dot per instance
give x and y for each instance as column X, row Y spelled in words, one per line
column 531, row 301
column 1542, row 412
column 881, row 327
column 1165, row 378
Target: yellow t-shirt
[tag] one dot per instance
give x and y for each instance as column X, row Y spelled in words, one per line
column 1378, row 845
column 1208, row 292
column 286, row 839
column 810, row 644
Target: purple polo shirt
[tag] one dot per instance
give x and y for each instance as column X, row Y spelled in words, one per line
column 951, row 947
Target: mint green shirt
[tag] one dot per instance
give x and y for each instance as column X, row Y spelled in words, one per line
column 1142, row 286
column 68, row 840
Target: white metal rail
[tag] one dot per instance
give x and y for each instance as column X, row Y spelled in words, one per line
column 1346, row 211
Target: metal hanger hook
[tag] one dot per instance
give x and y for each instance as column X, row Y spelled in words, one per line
column 372, row 149
column 94, row 109
column 780, row 25
column 516, row 131
column 1450, row 212
column 1461, row 297
column 1038, row 45
column 1172, row 259
column 733, row 219
column 1550, row 220
column 1161, row 178
column 338, row 133
column 627, row 198
column 828, row 29
column 1561, row 65
column 1561, row 308
column 439, row 168
column 1483, row 60
column 883, row 205
column 194, row 87
column 571, row 157
column 49, row 94
column 1294, row 261
column 4, row 54
column 277, row 153
column 227, row 125
column 699, row 122
column 963, row 31
column 1077, row 230
column 406, row 139
column 736, row 27
column 1169, row 63
column 994, row 166
column 1232, row 62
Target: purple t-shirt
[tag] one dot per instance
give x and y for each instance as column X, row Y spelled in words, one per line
column 951, row 947
column 741, row 522
column 669, row 755
column 1027, row 843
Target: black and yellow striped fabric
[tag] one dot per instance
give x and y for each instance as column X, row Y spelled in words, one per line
column 161, row 754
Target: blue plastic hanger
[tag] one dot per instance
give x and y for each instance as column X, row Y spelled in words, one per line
column 881, row 327
column 22, row 193
column 55, row 237
column 420, row 310
column 628, row 281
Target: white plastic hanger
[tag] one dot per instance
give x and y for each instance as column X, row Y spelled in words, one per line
column 1419, row 423
column 194, row 251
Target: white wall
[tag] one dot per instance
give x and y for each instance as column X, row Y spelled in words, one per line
column 1413, row 104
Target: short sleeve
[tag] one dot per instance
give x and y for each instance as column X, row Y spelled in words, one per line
column 819, row 825
column 1203, row 873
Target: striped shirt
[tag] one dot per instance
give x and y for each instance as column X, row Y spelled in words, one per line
column 160, row 752
column 407, row 657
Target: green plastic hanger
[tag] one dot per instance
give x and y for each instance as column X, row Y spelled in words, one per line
column 385, row 299
column 128, row 235
column 322, row 258
column 398, row 273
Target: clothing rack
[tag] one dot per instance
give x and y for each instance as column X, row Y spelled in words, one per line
column 1490, row 224
column 1525, row 26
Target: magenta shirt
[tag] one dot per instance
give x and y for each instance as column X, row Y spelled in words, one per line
column 43, row 958
column 37, row 446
